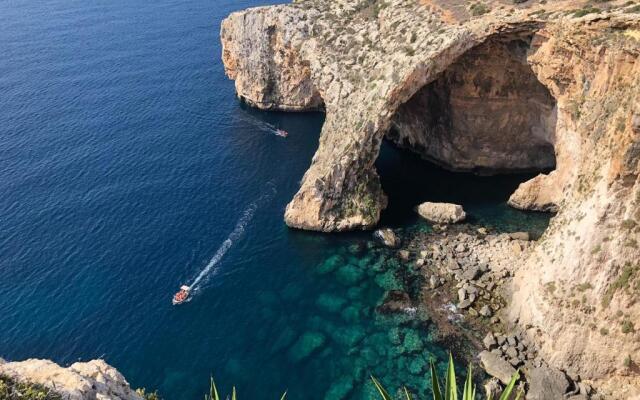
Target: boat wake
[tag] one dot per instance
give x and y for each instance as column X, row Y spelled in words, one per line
column 210, row 269
column 261, row 125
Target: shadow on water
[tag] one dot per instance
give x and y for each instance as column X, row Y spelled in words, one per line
column 409, row 180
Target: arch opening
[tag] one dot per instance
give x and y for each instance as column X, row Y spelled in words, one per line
column 487, row 113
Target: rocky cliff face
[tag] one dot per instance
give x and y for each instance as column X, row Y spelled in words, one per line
column 490, row 87
column 93, row 380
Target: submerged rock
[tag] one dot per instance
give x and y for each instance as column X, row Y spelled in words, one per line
column 330, row 303
column 387, row 237
column 395, row 301
column 412, row 342
column 340, row 389
column 306, row 345
column 331, row 264
column 442, row 213
column 417, row 366
column 388, row 281
column 350, row 274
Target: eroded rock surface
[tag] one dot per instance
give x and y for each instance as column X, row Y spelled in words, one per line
column 80, row 381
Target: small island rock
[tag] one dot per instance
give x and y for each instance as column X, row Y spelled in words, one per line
column 442, row 213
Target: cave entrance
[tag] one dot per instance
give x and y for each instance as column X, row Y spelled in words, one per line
column 484, row 126
column 487, row 113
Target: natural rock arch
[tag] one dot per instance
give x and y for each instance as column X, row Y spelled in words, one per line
column 367, row 64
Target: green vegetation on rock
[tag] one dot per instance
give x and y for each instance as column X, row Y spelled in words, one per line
column 10, row 389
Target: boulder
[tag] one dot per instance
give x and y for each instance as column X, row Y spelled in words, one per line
column 512, row 352
column 465, row 304
column 485, row 311
column 546, row 383
column 489, row 341
column 387, row 237
column 442, row 213
column 497, row 367
column 471, row 273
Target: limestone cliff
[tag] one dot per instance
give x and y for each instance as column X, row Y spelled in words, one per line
column 488, row 87
column 93, row 380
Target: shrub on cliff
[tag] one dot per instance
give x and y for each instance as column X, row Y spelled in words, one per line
column 11, row 389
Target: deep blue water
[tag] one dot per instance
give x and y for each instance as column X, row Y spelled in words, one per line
column 125, row 163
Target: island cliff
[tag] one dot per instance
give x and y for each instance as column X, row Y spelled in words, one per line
column 485, row 87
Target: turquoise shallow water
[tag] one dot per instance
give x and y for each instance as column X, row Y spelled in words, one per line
column 125, row 165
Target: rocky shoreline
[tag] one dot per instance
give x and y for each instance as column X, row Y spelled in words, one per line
column 466, row 273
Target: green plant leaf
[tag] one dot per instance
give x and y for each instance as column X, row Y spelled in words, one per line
column 385, row 395
column 450, row 386
column 283, row 395
column 406, row 393
column 509, row 389
column 213, row 391
column 435, row 384
column 233, row 393
column 520, row 393
column 469, row 390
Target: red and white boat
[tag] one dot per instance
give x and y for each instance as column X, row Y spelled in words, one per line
column 181, row 296
column 282, row 133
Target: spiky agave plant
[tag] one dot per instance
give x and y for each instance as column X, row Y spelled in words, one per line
column 450, row 386
column 213, row 393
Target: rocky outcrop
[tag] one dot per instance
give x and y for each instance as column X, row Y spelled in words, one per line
column 93, row 380
column 268, row 70
column 442, row 213
column 409, row 71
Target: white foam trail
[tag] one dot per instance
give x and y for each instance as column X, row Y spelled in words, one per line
column 258, row 124
column 237, row 232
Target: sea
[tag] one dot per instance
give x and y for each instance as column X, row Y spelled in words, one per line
column 129, row 168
